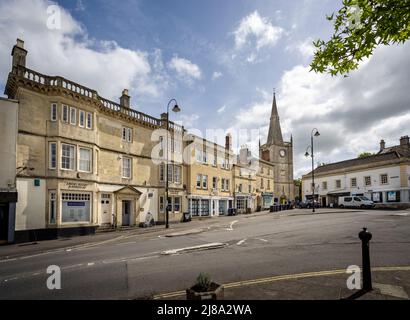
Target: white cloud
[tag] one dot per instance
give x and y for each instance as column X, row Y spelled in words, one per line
column 69, row 52
column 190, row 120
column 216, row 75
column 353, row 114
column 185, row 69
column 221, row 109
column 259, row 28
column 305, row 49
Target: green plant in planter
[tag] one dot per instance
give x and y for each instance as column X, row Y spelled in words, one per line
column 203, row 282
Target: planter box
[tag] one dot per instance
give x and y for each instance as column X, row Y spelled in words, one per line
column 216, row 292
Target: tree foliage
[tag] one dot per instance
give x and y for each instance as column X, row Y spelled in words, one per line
column 365, row 155
column 359, row 27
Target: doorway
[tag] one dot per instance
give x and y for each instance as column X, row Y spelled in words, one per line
column 106, row 212
column 126, row 212
column 4, row 222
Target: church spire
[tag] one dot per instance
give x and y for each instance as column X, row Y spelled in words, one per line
column 275, row 132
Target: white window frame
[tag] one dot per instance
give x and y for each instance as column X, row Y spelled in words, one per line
column 52, row 203
column 53, row 112
column 381, row 179
column 65, row 114
column 338, row 184
column 161, row 204
column 199, row 179
column 370, row 181
column 129, row 159
column 177, row 174
column 50, row 156
column 90, row 160
column 226, row 184
column 72, row 158
column 353, row 185
column 81, row 118
column 215, row 183
column 324, row 185
column 127, row 134
column 204, row 182
column 73, row 119
column 89, row 121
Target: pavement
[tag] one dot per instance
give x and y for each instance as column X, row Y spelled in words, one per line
column 389, row 283
column 286, row 255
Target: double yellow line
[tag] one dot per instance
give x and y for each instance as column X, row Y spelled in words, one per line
column 283, row 277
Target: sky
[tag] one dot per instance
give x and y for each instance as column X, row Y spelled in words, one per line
column 221, row 60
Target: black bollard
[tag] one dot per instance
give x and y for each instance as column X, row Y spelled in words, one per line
column 365, row 237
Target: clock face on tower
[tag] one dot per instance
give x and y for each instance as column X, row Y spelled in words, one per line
column 282, row 153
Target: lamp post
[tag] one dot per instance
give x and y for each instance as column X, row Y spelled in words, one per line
column 315, row 133
column 174, row 109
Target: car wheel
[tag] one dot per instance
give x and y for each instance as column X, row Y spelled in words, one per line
column 342, row 206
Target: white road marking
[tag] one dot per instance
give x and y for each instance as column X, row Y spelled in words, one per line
column 241, row 242
column 90, row 264
column 214, row 245
column 231, row 225
column 263, row 240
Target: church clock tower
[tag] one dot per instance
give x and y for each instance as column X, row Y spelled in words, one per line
column 280, row 153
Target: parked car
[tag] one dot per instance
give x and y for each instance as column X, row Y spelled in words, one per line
column 355, row 202
column 310, row 204
column 307, row 204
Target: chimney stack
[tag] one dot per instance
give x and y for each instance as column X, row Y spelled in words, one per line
column 125, row 99
column 382, row 145
column 404, row 141
column 228, row 142
column 19, row 54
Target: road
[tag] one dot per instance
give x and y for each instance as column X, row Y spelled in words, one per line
column 252, row 246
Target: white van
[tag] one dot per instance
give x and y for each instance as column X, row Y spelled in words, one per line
column 355, row 202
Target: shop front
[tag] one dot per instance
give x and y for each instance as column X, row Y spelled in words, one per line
column 243, row 203
column 267, row 200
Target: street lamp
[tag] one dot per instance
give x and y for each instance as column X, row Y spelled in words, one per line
column 315, row 133
column 175, row 109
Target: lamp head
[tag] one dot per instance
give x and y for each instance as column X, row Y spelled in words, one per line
column 307, row 154
column 317, row 134
column 176, row 109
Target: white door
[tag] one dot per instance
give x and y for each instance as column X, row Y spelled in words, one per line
column 106, row 217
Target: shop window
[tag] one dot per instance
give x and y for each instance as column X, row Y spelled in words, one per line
column 75, row 207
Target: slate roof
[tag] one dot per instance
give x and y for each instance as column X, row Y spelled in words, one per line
column 392, row 155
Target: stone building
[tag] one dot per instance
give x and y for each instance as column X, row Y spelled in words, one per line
column 90, row 159
column 280, row 153
column 383, row 178
column 85, row 162
column 8, row 169
column 209, row 177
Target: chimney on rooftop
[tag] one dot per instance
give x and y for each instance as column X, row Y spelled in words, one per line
column 125, row 99
column 404, row 141
column 19, row 54
column 382, row 145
